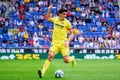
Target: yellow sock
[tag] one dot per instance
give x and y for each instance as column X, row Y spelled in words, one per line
column 71, row 59
column 45, row 67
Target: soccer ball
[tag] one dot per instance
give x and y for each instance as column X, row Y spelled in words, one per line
column 59, row 74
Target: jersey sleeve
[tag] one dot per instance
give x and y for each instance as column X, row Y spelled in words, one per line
column 69, row 26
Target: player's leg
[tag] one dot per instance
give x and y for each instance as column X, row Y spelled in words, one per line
column 68, row 59
column 46, row 64
column 65, row 53
column 51, row 54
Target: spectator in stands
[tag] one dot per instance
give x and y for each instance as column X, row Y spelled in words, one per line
column 17, row 41
column 73, row 8
column 104, row 22
column 105, row 43
column 1, row 23
column 15, row 30
column 97, row 16
column 110, row 4
column 31, row 34
column 88, row 18
column 89, row 28
column 91, row 5
column 76, row 45
column 101, row 7
column 109, row 31
column 31, row 22
column 83, row 15
column 76, row 42
column 50, row 30
column 21, row 8
column 94, row 28
column 112, row 13
column 91, row 43
column 10, row 42
column 25, row 36
column 104, row 27
column 115, row 3
column 11, row 7
column 6, row 22
column 5, row 30
column 36, row 44
column 19, row 21
column 86, row 42
column 115, row 33
column 113, row 41
column 83, row 3
column 76, row 31
column 81, row 40
column 40, row 26
column 101, row 41
column 4, row 42
column 98, row 23
column 46, row 42
column 10, row 32
column 30, row 42
column 118, row 26
column 110, row 42
column 96, row 44
column 116, row 45
column 36, row 8
column 35, row 39
column 3, row 10
column 74, row 23
column 21, row 15
column 81, row 22
column 21, row 30
column 80, row 31
column 26, row 1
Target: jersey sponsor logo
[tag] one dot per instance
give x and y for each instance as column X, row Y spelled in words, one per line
column 59, row 26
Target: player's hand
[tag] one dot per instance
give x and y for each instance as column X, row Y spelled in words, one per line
column 50, row 6
column 66, row 43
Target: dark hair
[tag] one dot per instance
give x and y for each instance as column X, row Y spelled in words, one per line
column 62, row 10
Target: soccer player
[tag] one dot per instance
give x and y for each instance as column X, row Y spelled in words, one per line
column 60, row 41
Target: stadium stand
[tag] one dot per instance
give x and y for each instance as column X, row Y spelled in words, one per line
column 96, row 23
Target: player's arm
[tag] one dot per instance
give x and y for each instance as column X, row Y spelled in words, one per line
column 48, row 16
column 70, row 37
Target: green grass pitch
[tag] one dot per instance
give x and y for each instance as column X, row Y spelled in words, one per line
column 85, row 70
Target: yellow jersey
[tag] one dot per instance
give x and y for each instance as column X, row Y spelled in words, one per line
column 60, row 30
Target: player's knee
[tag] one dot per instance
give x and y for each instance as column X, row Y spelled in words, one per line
column 66, row 60
column 50, row 56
